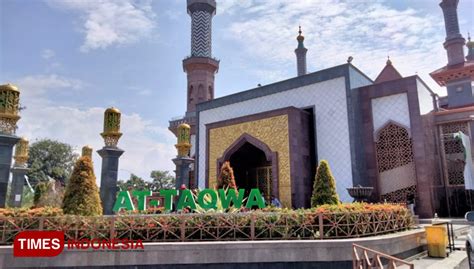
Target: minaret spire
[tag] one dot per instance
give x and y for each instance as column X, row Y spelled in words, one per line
column 300, row 52
column 200, row 66
column 454, row 43
column 470, row 48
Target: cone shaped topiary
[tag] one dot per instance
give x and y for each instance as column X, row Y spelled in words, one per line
column 82, row 195
column 226, row 177
column 324, row 188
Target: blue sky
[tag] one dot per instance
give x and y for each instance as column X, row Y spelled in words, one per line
column 72, row 59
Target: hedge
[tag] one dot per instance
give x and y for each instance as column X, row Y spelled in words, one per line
column 324, row 222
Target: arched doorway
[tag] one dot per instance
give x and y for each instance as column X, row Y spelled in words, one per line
column 254, row 165
column 251, row 169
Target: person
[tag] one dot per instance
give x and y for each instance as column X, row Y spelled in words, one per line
column 275, row 202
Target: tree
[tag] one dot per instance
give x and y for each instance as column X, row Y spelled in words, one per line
column 48, row 193
column 133, row 183
column 226, row 177
column 324, row 188
column 50, row 159
column 40, row 190
column 82, row 193
column 162, row 180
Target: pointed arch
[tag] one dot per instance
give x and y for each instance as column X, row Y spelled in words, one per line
column 377, row 132
column 270, row 156
column 201, row 94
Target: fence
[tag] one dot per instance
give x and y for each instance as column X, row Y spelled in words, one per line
column 365, row 258
column 214, row 227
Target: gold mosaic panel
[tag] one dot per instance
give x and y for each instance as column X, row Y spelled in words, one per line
column 272, row 131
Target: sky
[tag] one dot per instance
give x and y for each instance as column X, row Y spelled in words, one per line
column 72, row 59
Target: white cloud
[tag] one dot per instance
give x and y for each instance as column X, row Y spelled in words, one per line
column 147, row 146
column 47, row 54
column 34, row 87
column 334, row 30
column 111, row 22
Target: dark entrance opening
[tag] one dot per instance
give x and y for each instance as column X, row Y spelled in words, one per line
column 252, row 170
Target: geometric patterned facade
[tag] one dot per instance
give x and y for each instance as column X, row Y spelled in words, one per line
column 201, row 34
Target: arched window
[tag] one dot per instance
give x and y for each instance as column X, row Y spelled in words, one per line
column 191, row 92
column 201, row 94
column 210, row 94
column 397, row 176
column 393, row 147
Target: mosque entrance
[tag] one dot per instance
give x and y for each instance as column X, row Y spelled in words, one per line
column 252, row 169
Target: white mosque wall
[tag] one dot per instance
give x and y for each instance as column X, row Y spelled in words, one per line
column 424, row 98
column 390, row 108
column 332, row 128
column 357, row 80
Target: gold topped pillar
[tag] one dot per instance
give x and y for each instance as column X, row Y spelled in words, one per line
column 9, row 108
column 21, row 152
column 111, row 132
column 184, row 140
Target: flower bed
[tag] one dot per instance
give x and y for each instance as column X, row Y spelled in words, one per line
column 325, row 222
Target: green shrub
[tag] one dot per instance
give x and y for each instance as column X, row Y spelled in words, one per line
column 82, row 195
column 324, row 188
column 226, row 177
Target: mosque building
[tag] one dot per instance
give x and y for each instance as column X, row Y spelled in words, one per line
column 392, row 133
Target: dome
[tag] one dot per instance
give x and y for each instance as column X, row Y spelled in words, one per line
column 9, row 87
column 112, row 110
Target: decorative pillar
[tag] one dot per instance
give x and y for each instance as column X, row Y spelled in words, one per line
column 9, row 108
column 183, row 161
column 19, row 171
column 110, row 154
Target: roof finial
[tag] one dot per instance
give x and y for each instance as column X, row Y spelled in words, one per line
column 468, row 37
column 389, row 62
column 300, row 37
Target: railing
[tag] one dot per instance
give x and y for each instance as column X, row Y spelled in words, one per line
column 214, row 227
column 363, row 258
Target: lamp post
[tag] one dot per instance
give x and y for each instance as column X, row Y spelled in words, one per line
column 19, row 171
column 183, row 161
column 9, row 110
column 110, row 154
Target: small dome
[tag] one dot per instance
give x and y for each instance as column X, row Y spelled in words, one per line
column 112, row 110
column 10, row 87
column 24, row 139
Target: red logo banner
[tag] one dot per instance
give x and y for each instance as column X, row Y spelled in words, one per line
column 38, row 244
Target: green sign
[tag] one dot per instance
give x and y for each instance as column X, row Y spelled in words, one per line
column 206, row 199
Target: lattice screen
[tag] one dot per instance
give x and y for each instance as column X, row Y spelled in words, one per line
column 453, row 151
column 394, row 148
column 399, row 196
